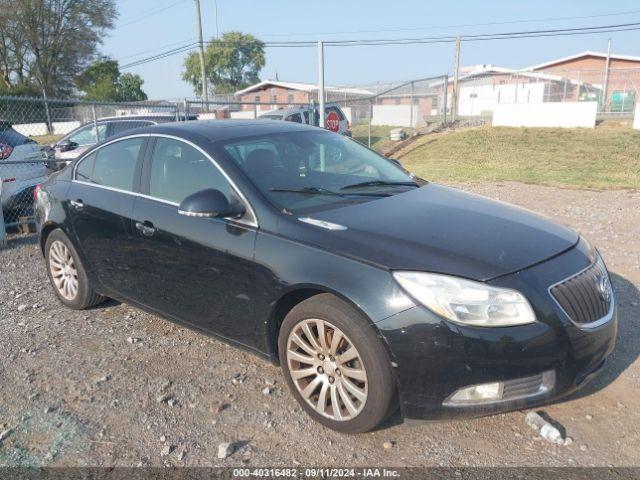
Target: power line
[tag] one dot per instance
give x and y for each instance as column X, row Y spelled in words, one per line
column 414, row 40
column 480, row 35
column 169, row 53
column 150, row 13
column 463, row 25
column 155, row 49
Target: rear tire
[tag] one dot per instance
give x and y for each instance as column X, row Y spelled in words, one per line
column 335, row 365
column 67, row 274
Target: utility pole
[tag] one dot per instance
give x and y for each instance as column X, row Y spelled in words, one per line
column 456, row 75
column 321, row 82
column 215, row 4
column 205, row 92
column 605, row 84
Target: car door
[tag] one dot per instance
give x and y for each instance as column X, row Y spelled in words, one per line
column 101, row 200
column 196, row 270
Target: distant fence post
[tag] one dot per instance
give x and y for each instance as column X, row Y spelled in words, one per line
column 47, row 113
column 411, row 114
column 95, row 120
column 3, row 230
column 446, row 99
column 177, row 109
column 370, row 116
column 186, row 109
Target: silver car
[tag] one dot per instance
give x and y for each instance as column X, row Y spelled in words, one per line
column 76, row 142
column 21, row 169
column 335, row 119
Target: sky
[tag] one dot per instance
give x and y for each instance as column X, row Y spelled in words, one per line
column 148, row 27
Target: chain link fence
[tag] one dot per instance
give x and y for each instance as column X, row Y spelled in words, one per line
column 18, row 180
column 38, row 136
column 479, row 92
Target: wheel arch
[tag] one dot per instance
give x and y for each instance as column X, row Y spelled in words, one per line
column 46, row 231
column 294, row 296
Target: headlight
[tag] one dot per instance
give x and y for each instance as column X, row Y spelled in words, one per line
column 467, row 302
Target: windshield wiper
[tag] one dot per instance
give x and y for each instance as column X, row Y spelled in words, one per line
column 306, row 190
column 376, row 183
column 322, row 191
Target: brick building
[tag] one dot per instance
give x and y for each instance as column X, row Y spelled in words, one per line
column 589, row 68
column 273, row 94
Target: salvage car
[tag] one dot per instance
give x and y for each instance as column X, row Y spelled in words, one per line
column 335, row 119
column 21, row 169
column 76, row 142
column 372, row 289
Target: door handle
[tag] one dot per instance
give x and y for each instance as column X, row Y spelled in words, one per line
column 146, row 228
column 77, row 204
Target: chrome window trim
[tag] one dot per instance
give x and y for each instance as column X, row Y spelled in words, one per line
column 600, row 321
column 252, row 221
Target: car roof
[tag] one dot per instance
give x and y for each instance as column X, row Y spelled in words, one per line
column 296, row 109
column 286, row 111
column 214, row 130
column 158, row 118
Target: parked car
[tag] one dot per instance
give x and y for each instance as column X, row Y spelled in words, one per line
column 84, row 137
column 21, row 169
column 368, row 285
column 335, row 119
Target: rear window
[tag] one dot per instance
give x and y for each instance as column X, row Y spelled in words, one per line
column 296, row 117
column 13, row 138
column 112, row 166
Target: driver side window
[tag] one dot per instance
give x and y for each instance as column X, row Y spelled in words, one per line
column 179, row 170
column 87, row 135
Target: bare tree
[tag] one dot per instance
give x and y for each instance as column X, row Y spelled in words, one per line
column 47, row 43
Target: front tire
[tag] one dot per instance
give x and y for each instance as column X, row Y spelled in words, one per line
column 335, row 365
column 67, row 274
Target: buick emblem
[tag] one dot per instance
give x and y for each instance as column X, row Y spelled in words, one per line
column 604, row 287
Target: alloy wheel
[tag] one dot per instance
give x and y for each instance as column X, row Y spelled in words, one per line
column 63, row 270
column 327, row 369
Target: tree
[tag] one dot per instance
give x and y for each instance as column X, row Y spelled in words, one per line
column 47, row 43
column 231, row 63
column 103, row 81
column 130, row 88
column 99, row 81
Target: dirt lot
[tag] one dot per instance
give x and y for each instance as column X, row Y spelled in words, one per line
column 116, row 386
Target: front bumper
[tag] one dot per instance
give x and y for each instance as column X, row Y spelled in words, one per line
column 434, row 358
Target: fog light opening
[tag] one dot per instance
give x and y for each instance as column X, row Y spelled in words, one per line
column 503, row 391
column 487, row 392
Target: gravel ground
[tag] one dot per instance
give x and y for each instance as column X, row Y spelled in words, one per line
column 116, row 386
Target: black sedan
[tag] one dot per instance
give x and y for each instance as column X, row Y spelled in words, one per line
column 372, row 288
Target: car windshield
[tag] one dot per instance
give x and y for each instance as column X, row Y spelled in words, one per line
column 315, row 170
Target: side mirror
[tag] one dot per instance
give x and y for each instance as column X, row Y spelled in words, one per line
column 210, row 203
column 65, row 146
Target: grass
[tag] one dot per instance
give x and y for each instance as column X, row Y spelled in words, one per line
column 607, row 157
column 379, row 135
column 46, row 139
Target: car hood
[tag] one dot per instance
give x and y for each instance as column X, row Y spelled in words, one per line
column 440, row 229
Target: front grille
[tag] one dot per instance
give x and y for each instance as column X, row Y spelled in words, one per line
column 528, row 386
column 585, row 297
